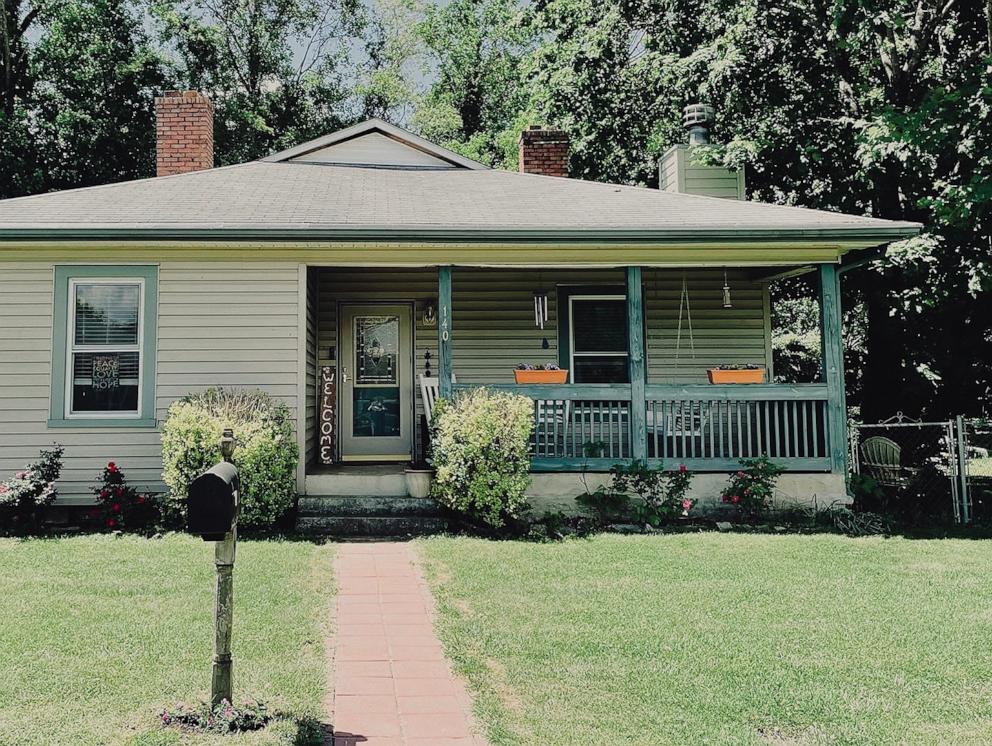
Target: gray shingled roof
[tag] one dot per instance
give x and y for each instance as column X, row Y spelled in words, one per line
column 281, row 199
column 278, row 197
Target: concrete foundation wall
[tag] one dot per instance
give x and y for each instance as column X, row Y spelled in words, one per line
column 551, row 492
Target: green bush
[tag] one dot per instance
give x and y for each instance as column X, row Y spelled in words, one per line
column 265, row 449
column 480, row 444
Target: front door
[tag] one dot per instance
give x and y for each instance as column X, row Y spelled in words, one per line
column 376, row 382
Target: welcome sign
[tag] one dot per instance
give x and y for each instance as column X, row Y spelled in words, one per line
column 327, row 432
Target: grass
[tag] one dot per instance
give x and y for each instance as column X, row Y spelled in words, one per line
column 721, row 638
column 98, row 634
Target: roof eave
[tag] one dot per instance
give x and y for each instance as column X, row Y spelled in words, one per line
column 852, row 237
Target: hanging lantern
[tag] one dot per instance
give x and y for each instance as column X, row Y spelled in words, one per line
column 727, row 303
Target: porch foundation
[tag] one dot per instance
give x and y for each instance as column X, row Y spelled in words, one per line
column 551, row 492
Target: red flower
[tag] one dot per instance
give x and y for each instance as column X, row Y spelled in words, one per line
column 686, row 504
column 682, row 468
column 735, row 499
column 118, row 491
column 104, row 493
column 116, row 507
column 111, row 523
column 139, row 499
column 112, row 467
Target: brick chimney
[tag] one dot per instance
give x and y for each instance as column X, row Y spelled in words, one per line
column 184, row 129
column 543, row 151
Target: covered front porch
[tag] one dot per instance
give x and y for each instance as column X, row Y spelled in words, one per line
column 636, row 343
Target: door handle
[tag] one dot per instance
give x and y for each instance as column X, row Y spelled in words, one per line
column 344, row 375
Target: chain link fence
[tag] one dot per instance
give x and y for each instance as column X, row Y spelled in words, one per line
column 977, row 435
column 920, row 472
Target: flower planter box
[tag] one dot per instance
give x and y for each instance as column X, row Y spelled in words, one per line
column 541, row 376
column 736, row 376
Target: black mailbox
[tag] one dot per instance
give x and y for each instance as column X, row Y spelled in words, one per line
column 212, row 505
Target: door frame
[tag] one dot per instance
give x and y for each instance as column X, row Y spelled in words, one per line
column 412, row 304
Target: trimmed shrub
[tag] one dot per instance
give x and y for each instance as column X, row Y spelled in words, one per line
column 265, row 450
column 480, row 444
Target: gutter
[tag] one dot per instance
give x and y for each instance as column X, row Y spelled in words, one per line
column 411, row 234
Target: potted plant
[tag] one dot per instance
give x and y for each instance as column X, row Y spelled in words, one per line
column 547, row 373
column 418, row 476
column 746, row 373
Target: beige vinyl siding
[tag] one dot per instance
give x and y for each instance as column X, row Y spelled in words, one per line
column 220, row 324
column 310, row 418
column 493, row 317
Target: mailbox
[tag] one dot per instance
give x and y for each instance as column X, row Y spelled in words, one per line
column 212, row 505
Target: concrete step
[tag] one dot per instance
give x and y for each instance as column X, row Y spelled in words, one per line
column 345, row 484
column 369, row 525
column 366, row 505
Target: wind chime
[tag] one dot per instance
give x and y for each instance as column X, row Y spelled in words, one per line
column 541, row 310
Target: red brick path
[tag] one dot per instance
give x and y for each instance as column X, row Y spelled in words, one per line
column 392, row 684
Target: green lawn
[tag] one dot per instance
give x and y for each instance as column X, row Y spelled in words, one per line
column 97, row 634
column 722, row 638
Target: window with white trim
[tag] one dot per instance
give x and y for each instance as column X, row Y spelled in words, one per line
column 104, row 347
column 598, row 338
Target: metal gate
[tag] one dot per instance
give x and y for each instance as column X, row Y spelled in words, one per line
column 977, row 434
column 918, row 471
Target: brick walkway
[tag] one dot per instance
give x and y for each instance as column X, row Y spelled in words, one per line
column 392, row 684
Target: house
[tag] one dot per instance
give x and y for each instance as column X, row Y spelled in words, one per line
column 334, row 274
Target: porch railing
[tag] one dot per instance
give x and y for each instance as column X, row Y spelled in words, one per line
column 705, row 427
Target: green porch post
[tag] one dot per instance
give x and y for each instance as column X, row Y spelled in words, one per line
column 444, row 331
column 635, row 337
column 832, row 352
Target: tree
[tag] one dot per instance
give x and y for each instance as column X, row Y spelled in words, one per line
column 267, row 94
column 78, row 82
column 94, row 105
column 878, row 107
column 477, row 102
column 385, row 85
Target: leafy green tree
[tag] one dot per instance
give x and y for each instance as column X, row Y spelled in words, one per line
column 386, row 79
column 273, row 68
column 78, row 81
column 879, row 107
column 476, row 105
column 98, row 75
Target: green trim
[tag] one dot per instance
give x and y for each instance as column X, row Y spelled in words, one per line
column 57, row 403
column 871, row 235
column 715, row 465
column 832, row 346
column 638, row 364
column 557, row 392
column 104, row 422
column 737, row 392
column 444, row 331
column 565, row 293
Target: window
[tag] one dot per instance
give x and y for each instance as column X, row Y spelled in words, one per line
column 598, row 339
column 104, row 346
